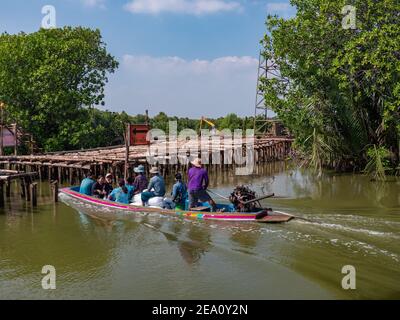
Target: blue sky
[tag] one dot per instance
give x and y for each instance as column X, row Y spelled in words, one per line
column 183, row 57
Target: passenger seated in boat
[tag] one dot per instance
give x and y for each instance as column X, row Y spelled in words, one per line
column 86, row 184
column 108, row 188
column 131, row 188
column 140, row 183
column 120, row 194
column 98, row 188
column 179, row 192
column 179, row 195
column 198, row 184
column 156, row 187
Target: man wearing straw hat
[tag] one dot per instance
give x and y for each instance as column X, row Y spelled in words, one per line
column 156, row 187
column 198, row 184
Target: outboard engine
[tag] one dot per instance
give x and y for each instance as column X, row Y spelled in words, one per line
column 241, row 198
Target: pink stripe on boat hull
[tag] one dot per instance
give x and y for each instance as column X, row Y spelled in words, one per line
column 236, row 216
column 186, row 214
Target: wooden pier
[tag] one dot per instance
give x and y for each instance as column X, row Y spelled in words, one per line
column 70, row 166
column 26, row 179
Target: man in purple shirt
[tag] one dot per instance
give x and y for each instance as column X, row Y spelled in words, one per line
column 198, row 184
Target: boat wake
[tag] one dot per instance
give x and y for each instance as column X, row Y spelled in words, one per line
column 353, row 234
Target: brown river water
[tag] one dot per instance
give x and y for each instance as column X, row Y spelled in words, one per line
column 350, row 221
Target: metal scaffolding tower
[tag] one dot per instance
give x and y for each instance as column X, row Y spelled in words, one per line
column 261, row 123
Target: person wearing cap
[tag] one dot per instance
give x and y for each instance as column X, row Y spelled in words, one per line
column 87, row 184
column 156, row 187
column 197, row 185
column 140, row 183
column 108, row 188
column 179, row 192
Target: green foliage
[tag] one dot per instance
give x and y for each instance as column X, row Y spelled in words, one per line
column 161, row 121
column 378, row 163
column 231, row 122
column 321, row 150
column 339, row 86
column 47, row 78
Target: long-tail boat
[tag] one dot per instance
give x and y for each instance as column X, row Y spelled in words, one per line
column 227, row 211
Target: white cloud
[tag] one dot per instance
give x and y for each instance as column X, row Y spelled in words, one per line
column 283, row 9
column 94, row 3
column 184, row 87
column 278, row 6
column 196, row 7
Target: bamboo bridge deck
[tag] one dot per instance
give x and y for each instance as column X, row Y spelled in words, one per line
column 71, row 165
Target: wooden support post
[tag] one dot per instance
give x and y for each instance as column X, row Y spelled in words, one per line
column 8, row 189
column 22, row 188
column 71, row 176
column 167, row 167
column 114, row 172
column 1, row 194
column 54, row 190
column 15, row 139
column 127, row 144
column 27, row 191
column 33, row 193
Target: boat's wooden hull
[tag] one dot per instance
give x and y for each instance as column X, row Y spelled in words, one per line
column 223, row 216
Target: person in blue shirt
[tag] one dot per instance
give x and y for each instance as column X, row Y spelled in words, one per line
column 130, row 186
column 87, row 184
column 179, row 195
column 120, row 194
column 179, row 192
column 156, row 187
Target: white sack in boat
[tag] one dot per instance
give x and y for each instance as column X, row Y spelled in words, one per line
column 137, row 200
column 157, row 202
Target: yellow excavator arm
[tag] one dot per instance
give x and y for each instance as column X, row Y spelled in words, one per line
column 203, row 119
column 212, row 125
